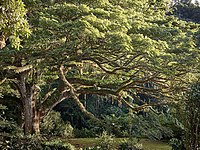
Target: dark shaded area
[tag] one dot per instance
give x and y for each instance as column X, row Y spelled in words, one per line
column 187, row 11
column 14, row 109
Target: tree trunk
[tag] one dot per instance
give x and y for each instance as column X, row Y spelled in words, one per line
column 26, row 92
column 36, row 123
column 28, row 115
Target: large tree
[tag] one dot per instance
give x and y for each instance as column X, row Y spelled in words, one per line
column 99, row 47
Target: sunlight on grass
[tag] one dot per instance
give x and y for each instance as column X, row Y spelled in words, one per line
column 147, row 144
column 155, row 145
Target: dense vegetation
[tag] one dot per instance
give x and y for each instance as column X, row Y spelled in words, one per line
column 89, row 68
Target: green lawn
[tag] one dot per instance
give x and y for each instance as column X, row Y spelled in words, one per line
column 155, row 145
column 147, row 144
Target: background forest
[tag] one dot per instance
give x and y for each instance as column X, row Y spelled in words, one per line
column 99, row 74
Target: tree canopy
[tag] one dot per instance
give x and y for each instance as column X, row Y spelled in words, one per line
column 13, row 22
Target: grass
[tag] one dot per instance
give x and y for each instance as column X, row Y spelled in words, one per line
column 147, row 144
column 155, row 145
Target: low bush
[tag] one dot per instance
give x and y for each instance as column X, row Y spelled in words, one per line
column 9, row 127
column 8, row 142
column 15, row 142
column 54, row 125
column 106, row 142
column 57, row 145
column 176, row 144
column 131, row 144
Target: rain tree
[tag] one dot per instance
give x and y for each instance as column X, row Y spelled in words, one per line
column 107, row 47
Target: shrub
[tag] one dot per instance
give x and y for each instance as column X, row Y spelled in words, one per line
column 68, row 130
column 106, row 142
column 54, row 125
column 131, row 144
column 9, row 127
column 57, row 145
column 176, row 144
column 8, row 142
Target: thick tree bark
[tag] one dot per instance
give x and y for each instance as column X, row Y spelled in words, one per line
column 32, row 116
column 26, row 92
column 28, row 115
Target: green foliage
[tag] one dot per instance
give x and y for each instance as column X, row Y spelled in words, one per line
column 13, row 109
column 2, row 111
column 13, row 142
column 187, row 11
column 106, row 142
column 176, row 144
column 10, row 142
column 108, row 48
column 57, row 145
column 150, row 125
column 6, row 126
column 131, row 144
column 117, row 121
column 112, row 30
column 84, row 133
column 13, row 22
column 9, row 127
column 54, row 125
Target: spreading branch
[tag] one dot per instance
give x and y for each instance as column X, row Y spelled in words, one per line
column 2, row 81
column 74, row 94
